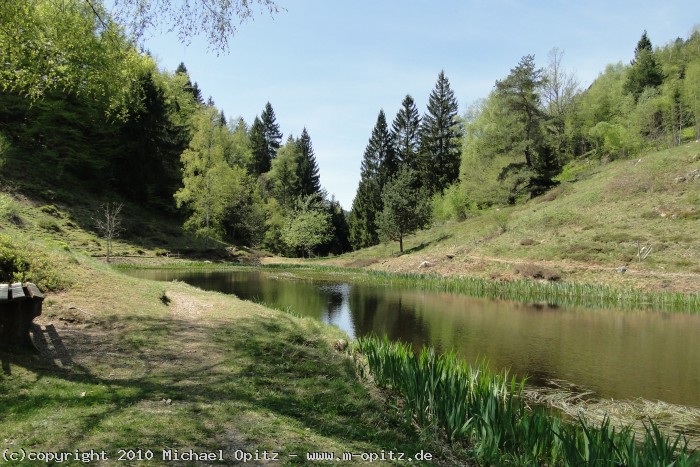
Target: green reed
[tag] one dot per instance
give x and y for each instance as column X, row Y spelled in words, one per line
column 486, row 412
column 559, row 293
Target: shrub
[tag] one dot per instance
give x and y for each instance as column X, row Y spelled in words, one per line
column 9, row 209
column 23, row 263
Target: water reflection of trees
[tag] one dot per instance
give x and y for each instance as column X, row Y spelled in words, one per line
column 619, row 354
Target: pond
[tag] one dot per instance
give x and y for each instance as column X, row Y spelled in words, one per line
column 614, row 353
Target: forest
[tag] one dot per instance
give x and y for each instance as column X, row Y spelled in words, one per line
column 84, row 109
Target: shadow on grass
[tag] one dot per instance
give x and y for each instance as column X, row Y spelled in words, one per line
column 252, row 384
column 424, row 245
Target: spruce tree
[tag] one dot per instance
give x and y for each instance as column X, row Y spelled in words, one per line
column 440, row 136
column 405, row 131
column 307, row 169
column 273, row 135
column 189, row 87
column 260, row 161
column 378, row 165
column 645, row 71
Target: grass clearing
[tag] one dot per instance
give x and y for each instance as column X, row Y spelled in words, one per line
column 121, row 368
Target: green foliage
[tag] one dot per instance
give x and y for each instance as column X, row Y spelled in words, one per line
column 406, row 207
column 365, row 208
column 488, row 411
column 260, row 161
column 50, row 47
column 645, row 71
column 405, row 131
column 211, row 187
column 239, row 152
column 440, row 135
column 308, row 226
column 9, row 208
column 284, row 174
column 22, row 262
column 535, row 160
column 307, row 168
column 451, row 205
column 379, row 163
column 271, row 131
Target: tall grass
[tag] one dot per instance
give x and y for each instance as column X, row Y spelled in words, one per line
column 565, row 294
column 487, row 413
column 555, row 293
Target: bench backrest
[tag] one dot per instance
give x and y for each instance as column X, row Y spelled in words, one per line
column 15, row 291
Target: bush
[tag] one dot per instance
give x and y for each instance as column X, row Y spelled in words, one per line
column 454, row 204
column 9, row 209
column 49, row 225
column 23, row 263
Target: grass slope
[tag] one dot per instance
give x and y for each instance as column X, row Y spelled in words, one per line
column 581, row 231
column 132, row 364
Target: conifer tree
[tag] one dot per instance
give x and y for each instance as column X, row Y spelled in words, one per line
column 645, row 71
column 307, row 169
column 405, row 130
column 535, row 161
column 407, row 207
column 273, row 136
column 260, row 161
column 378, row 165
column 440, row 135
column 189, row 87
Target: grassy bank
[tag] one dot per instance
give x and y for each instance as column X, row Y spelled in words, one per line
column 583, row 231
column 131, row 364
column 487, row 413
column 529, row 291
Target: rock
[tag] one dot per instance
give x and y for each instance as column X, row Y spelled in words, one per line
column 340, row 345
column 680, row 179
column 425, row 264
column 622, row 269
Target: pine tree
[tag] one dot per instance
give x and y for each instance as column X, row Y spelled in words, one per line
column 440, row 135
column 273, row 136
column 189, row 87
column 260, row 161
column 535, row 161
column 378, row 165
column 307, row 169
column 645, row 71
column 407, row 207
column 405, row 131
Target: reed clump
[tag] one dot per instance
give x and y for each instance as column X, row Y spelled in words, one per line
column 559, row 293
column 486, row 413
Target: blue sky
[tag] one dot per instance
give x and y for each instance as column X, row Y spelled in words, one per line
column 332, row 65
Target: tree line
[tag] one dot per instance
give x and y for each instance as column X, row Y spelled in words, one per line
column 536, row 129
column 84, row 109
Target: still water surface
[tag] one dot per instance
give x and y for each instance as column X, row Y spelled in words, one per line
column 616, row 354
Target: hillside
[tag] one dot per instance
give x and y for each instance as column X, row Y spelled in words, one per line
column 583, row 230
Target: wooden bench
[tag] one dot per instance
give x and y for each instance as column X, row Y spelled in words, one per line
column 18, row 308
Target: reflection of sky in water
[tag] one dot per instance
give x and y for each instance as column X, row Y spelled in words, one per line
column 619, row 354
column 337, row 312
